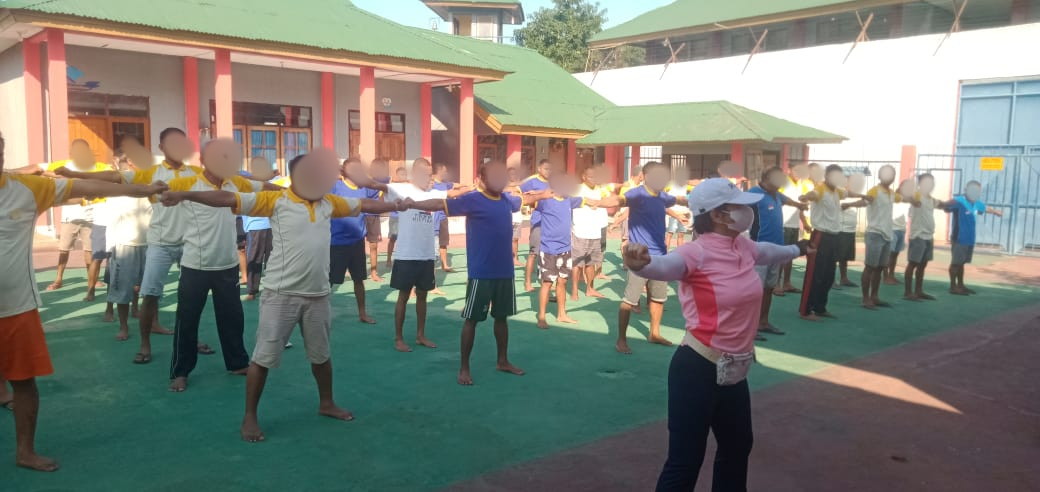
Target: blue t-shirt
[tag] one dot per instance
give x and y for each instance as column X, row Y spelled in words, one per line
column 646, row 214
column 349, row 230
column 439, row 216
column 964, row 213
column 489, row 232
column 556, row 223
column 534, row 183
column 769, row 217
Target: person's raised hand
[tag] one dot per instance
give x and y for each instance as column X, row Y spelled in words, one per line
column 171, row 198
column 636, row 256
column 157, row 188
column 805, row 247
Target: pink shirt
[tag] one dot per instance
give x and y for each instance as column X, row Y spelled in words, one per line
column 719, row 290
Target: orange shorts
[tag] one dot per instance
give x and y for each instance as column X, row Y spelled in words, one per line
column 23, row 348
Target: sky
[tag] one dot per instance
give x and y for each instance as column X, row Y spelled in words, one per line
column 414, row 13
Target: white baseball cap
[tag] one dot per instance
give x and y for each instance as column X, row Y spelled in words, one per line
column 716, row 192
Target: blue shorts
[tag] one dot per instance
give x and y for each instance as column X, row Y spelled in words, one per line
column 898, row 240
column 158, row 261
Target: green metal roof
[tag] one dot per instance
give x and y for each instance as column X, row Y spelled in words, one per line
column 326, row 24
column 698, row 122
column 538, row 94
column 687, row 16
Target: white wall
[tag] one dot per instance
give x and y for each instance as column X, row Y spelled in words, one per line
column 889, row 93
column 12, row 107
column 129, row 73
column 404, row 98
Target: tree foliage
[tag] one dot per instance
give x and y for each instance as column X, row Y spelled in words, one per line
column 561, row 33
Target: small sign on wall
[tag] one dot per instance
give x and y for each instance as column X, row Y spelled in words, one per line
column 991, row 163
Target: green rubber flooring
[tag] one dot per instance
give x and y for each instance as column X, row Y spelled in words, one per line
column 114, row 426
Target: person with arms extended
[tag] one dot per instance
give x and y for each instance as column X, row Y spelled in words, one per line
column 720, row 295
column 23, row 348
column 347, row 253
column 963, row 209
column 535, row 183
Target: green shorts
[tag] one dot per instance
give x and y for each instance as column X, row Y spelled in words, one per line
column 494, row 295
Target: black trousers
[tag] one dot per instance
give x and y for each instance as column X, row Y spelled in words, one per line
column 824, row 271
column 696, row 403
column 192, row 291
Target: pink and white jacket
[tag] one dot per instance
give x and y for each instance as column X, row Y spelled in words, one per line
column 719, row 290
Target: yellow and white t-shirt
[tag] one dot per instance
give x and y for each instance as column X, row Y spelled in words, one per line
column 22, row 199
column 299, row 263
column 922, row 219
column 793, row 190
column 825, row 211
column 84, row 212
column 166, row 226
column 210, row 235
column 879, row 211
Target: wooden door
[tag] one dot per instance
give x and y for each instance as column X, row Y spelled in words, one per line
column 96, row 131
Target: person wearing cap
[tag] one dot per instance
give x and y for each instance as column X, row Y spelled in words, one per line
column 720, row 294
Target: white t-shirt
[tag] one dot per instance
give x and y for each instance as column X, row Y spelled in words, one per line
column 879, row 211
column 793, row 190
column 849, row 217
column 130, row 218
column 899, row 213
column 415, row 237
column 588, row 222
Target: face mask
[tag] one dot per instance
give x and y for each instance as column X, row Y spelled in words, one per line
column 742, row 217
column 973, row 193
column 926, row 186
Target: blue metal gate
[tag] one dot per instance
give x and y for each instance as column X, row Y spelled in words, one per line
column 1014, row 190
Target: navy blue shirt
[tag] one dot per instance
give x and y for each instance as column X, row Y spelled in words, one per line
column 489, row 232
column 349, row 230
column 556, row 223
column 534, row 183
column 769, row 217
column 646, row 214
column 439, row 216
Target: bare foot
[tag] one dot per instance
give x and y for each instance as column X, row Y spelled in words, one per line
column 516, row 262
column 251, row 430
column 970, row 291
column 574, row 297
column 373, row 276
column 425, row 342
column 159, row 330
column 528, row 288
column 239, row 372
column 593, row 293
column 250, row 297
column 566, row 319
column 510, row 368
column 179, row 385
column 543, row 324
column 792, row 289
column 109, row 318
column 779, row 292
column 438, row 292
column 809, row 317
column 960, row 292
column 448, row 269
column 89, row 297
column 911, row 297
column 891, row 281
column 880, row 303
column 924, row 296
column 869, row 305
column 400, row 346
column 622, row 347
column 332, row 411
column 123, row 335
column 659, row 340
column 827, row 314
column 602, row 277
column 367, row 319
column 37, row 462
column 243, row 281
column 54, row 286
column 464, row 378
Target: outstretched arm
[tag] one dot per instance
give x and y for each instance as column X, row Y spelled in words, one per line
column 608, row 201
column 110, row 176
column 459, row 190
column 216, row 198
column 669, row 267
column 991, row 210
column 370, row 206
column 431, row 205
column 533, row 197
column 856, row 204
column 89, row 188
column 773, row 254
column 791, row 203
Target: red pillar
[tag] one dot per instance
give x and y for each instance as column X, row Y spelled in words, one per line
column 191, row 99
column 636, row 159
column 367, row 105
column 907, row 161
column 610, row 160
column 736, row 152
column 426, row 120
column 222, row 91
column 328, row 111
column 57, row 95
column 32, row 78
column 785, row 157
column 514, row 150
column 572, row 157
column 467, row 142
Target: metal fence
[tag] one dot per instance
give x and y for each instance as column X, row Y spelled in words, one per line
column 1010, row 183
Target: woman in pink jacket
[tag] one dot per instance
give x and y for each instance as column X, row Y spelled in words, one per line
column 720, row 293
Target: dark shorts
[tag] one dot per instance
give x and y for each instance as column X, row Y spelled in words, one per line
column 373, row 229
column 792, row 235
column 343, row 259
column 921, row 250
column 846, row 246
column 961, row 253
column 409, row 274
column 535, row 240
column 443, row 234
column 240, row 234
column 496, row 295
column 555, row 266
